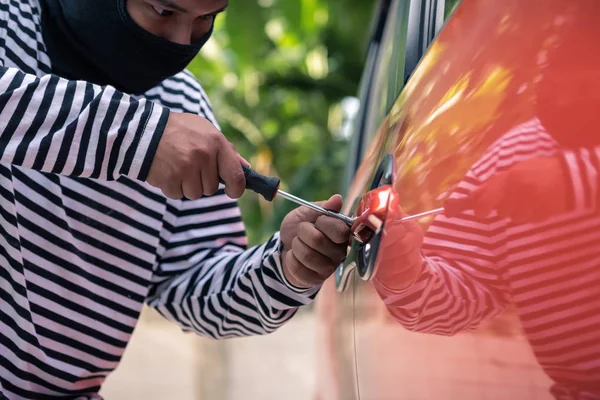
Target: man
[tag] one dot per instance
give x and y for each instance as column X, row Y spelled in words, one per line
column 85, row 242
column 523, row 228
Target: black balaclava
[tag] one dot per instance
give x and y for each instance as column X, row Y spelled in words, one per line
column 98, row 41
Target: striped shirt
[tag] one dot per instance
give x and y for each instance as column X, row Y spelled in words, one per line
column 550, row 271
column 85, row 243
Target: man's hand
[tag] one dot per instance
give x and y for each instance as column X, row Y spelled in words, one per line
column 313, row 244
column 190, row 158
column 400, row 259
column 530, row 191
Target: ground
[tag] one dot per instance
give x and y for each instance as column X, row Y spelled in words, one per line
column 164, row 363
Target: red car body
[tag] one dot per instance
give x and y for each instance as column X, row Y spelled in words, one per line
column 477, row 80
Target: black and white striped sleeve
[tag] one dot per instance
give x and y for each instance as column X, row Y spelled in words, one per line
column 582, row 170
column 76, row 128
column 209, row 283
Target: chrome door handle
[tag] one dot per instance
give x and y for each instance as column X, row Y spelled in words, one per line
column 367, row 252
column 362, row 256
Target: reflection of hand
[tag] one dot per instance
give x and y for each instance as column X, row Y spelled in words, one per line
column 313, row 244
column 399, row 256
column 530, row 191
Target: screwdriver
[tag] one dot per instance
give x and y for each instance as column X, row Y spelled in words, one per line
column 268, row 187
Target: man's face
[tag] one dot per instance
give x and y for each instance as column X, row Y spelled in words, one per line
column 180, row 21
column 568, row 103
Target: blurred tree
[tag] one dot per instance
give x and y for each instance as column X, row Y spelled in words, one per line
column 276, row 72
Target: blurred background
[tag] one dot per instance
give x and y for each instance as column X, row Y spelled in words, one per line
column 277, row 73
column 281, row 76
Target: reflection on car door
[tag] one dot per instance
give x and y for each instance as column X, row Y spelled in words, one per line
column 478, row 104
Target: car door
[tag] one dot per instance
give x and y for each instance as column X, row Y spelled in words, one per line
column 400, row 38
column 474, row 86
column 383, row 78
column 411, row 28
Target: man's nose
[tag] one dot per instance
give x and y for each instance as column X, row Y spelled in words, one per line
column 181, row 35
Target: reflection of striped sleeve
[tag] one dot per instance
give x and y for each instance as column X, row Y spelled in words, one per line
column 209, row 284
column 463, row 279
column 583, row 167
column 460, row 284
column 548, row 270
column 76, row 128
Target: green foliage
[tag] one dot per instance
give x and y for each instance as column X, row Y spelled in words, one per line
column 276, row 72
column 450, row 7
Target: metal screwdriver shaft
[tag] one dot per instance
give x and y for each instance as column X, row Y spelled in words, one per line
column 421, row 215
column 315, row 207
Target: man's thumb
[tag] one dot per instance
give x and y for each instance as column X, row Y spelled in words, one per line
column 334, row 203
column 454, row 206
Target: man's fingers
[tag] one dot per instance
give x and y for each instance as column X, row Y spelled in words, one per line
column 523, row 216
column 173, row 190
column 298, row 274
column 337, row 231
column 333, row 204
column 192, row 187
column 508, row 206
column 311, row 259
column 230, row 170
column 244, row 161
column 408, row 243
column 311, row 254
column 454, row 206
column 401, row 255
column 524, row 213
column 483, row 200
column 210, row 177
column 488, row 196
column 399, row 264
column 398, row 229
column 319, row 242
column 545, row 210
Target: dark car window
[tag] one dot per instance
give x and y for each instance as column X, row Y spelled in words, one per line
column 357, row 121
column 389, row 73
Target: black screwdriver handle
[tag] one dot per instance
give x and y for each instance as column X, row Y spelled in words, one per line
column 266, row 186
